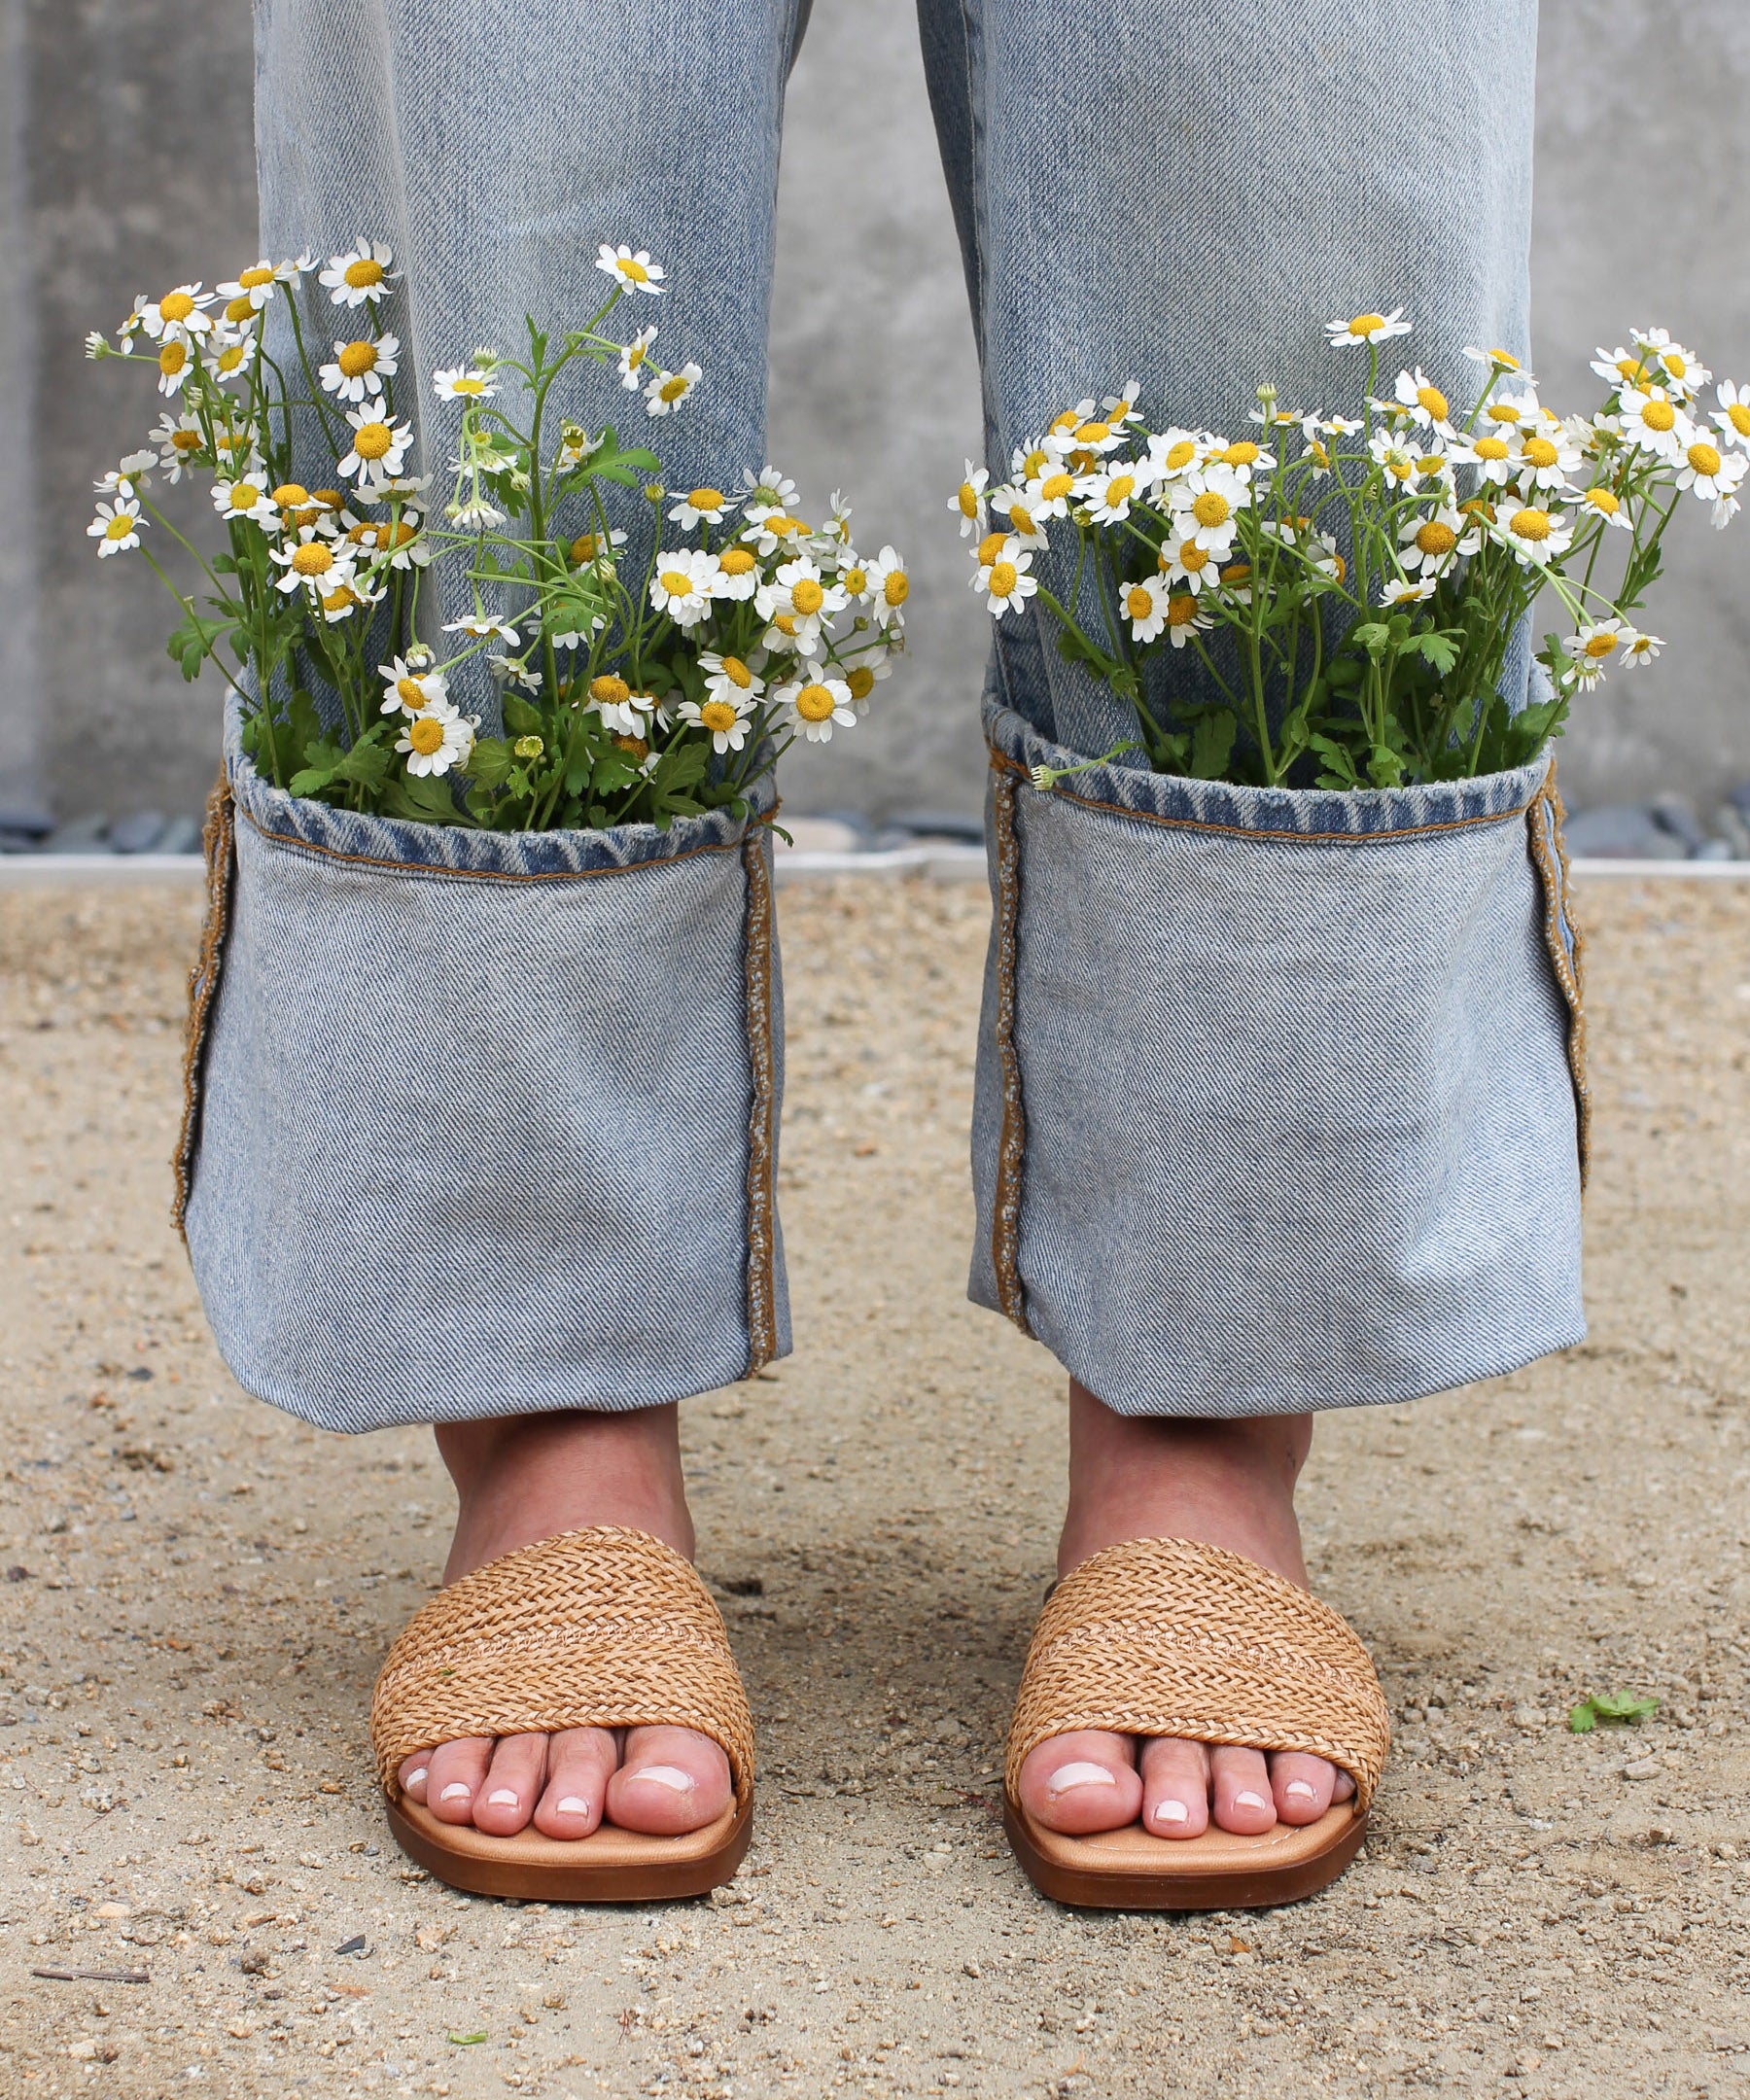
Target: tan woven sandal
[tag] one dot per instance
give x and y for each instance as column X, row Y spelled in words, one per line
column 1164, row 1636
column 597, row 1628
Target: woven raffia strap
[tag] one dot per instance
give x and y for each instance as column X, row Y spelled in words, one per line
column 1163, row 1636
column 597, row 1628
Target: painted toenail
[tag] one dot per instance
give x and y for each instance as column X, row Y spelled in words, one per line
column 1080, row 1775
column 456, row 1791
column 573, row 1804
column 501, row 1798
column 415, row 1778
column 1250, row 1801
column 668, row 1775
column 1301, row 1790
column 1171, row 1812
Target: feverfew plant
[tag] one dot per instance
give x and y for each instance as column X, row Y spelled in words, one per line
column 625, row 697
column 1352, row 583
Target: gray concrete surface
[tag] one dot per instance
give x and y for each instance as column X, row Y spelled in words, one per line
column 124, row 163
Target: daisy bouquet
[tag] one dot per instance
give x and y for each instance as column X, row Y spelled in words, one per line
column 1350, row 585
column 627, row 694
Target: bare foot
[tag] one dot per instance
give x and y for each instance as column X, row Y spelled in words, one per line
column 1226, row 1483
column 522, row 1478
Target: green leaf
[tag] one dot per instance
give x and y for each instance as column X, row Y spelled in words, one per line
column 192, row 642
column 489, row 763
column 1212, row 744
column 1581, row 1719
column 1438, row 647
column 1621, row 1709
column 365, row 764
column 469, row 2041
column 424, row 799
column 520, row 719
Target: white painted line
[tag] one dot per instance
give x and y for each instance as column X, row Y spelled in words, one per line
column 99, row 870
column 1702, row 870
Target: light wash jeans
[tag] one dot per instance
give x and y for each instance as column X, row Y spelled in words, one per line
column 1142, row 188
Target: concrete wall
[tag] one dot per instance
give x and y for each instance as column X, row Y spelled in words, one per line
column 124, row 164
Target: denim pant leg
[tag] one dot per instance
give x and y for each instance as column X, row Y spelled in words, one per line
column 1274, row 1104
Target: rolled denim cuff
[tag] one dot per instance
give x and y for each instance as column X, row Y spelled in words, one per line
column 1281, row 1094
column 484, row 1123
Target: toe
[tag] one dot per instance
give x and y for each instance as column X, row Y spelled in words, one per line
column 514, row 1783
column 1239, row 1795
column 1302, row 1787
column 580, row 1762
column 669, row 1780
column 454, row 1777
column 1175, row 1787
column 1080, row 1782
column 413, row 1773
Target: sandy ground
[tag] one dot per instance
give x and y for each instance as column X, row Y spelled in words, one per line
column 199, row 1593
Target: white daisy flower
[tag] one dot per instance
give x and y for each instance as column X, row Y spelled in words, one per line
column 359, row 369
column 435, row 738
column 1424, row 401
column 1702, row 468
column 967, row 502
column 1431, row 544
column 774, row 530
column 683, row 584
column 179, row 316
column 463, row 383
column 819, row 706
column 1548, row 458
column 117, row 527
column 175, row 362
column 410, row 683
column 1236, row 583
column 257, row 283
column 727, row 677
column 1118, row 409
column 1491, row 455
column 1398, row 456
column 1106, row 495
column 1679, row 368
column 1005, row 583
column 1048, row 495
column 248, row 498
column 378, row 449
column 700, row 507
column 637, row 272
column 1497, row 361
column 590, row 549
column 1732, row 416
column 622, row 710
column 1210, row 498
column 1609, row 506
column 1089, row 438
column 1188, row 557
column 360, row 275
column 485, row 626
column 1407, row 591
column 1367, row 327
column 312, row 562
column 767, row 491
column 1185, row 617
column 634, row 360
column 723, row 719
column 398, row 542
column 1144, row 605
column 1652, row 421
column 832, row 540
column 1597, row 646
column 738, row 574
column 667, row 390
column 1535, row 534
column 179, row 442
column 1025, row 525
column 341, row 600
column 863, row 676
column 889, row 587
column 1639, row 648
column 1622, row 366
column 473, row 514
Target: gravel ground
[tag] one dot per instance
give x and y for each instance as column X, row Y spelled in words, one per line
column 198, row 1594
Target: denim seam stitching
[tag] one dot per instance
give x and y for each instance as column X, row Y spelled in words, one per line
column 762, row 1336
column 1548, row 854
column 1011, row 1143
column 1006, row 764
column 219, row 841
column 292, row 843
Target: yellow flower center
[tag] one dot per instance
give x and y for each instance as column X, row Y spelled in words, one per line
column 989, row 548
column 241, row 309
column 1675, row 363
column 469, row 383
column 1181, row 455
column 1430, row 463
column 396, row 535
column 1492, row 448
column 675, row 583
column 583, row 548
column 1237, row 574
column 1033, row 463
column 1501, row 411
column 718, row 714
column 608, row 691
column 425, row 735
column 244, row 496
column 172, row 358
column 814, row 703
column 357, row 359
column 1021, row 520
column 1739, row 416
column 312, row 559
column 1599, row 646
column 1400, row 465
column 1192, row 558
column 1604, row 499
column 1367, row 323
column 1533, row 525
column 1182, row 611
column 185, row 440
column 861, row 682
column 1541, row 452
column 1065, row 422
column 1629, row 368
column 1505, row 357
column 118, row 527
column 1433, row 400
column 737, row 562
column 330, row 499
column 1138, row 602
column 673, row 387
column 367, row 270
column 737, row 673
column 635, row 270
column 1659, row 415
column 636, row 745
column 1435, row 538
column 968, row 500
column 176, row 306
column 1339, row 567
column 409, row 692
column 1056, row 486
column 229, row 359
column 782, row 527
column 372, row 440
column 1003, row 578
column 1212, row 508
column 252, row 280
column 897, row 587
column 1703, row 456
column 341, row 600
column 635, row 353
column 1243, row 453
column 786, row 624
column 807, row 596
column 1318, row 453
column 1119, row 489
column 290, row 494
column 706, row 499
column 1093, row 433
column 856, row 581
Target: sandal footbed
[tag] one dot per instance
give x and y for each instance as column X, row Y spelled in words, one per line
column 1129, row 1870
column 609, row 1866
